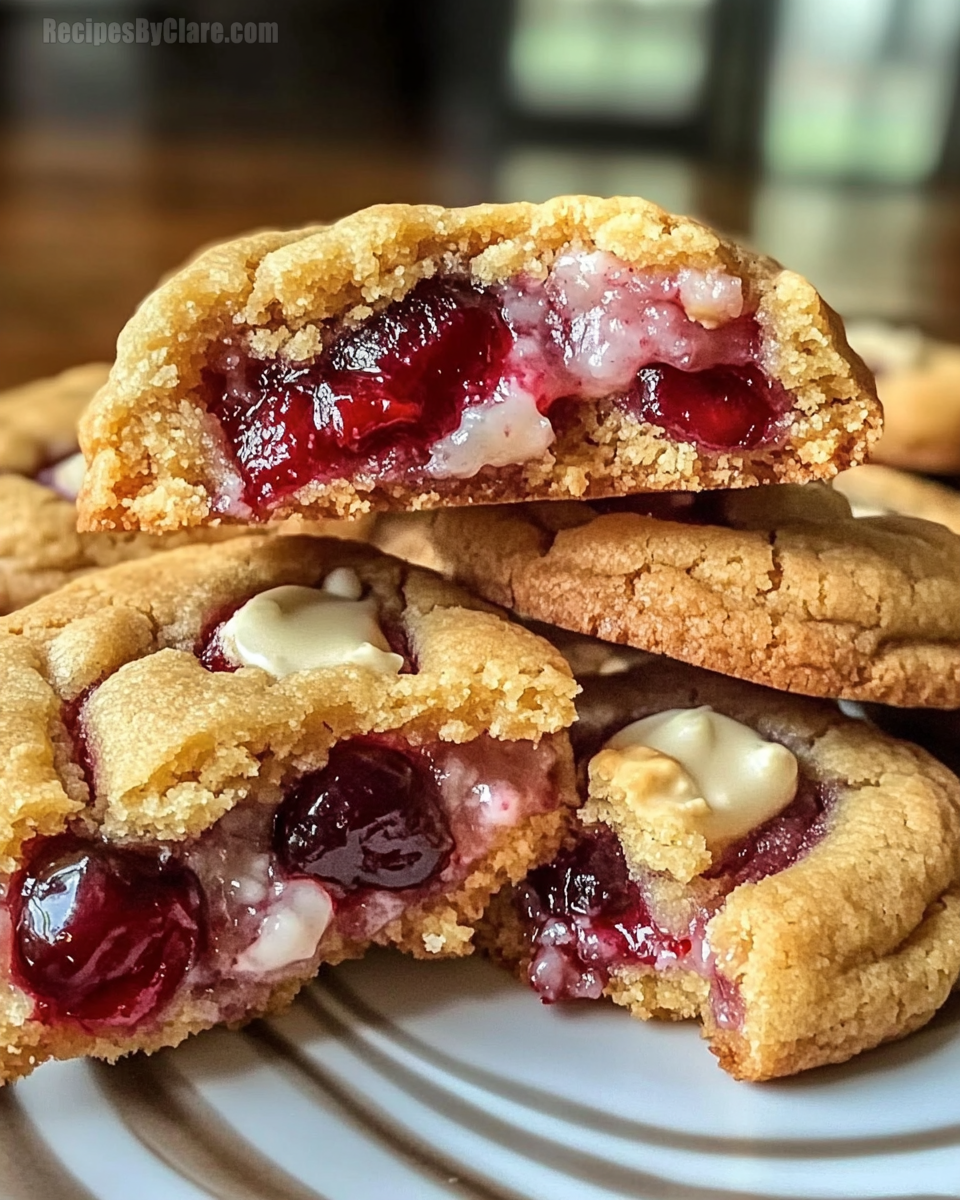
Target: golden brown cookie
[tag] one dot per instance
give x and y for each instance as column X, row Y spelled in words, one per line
column 226, row 765
column 781, row 586
column 875, row 491
column 828, row 927
column 38, row 421
column 411, row 356
column 919, row 385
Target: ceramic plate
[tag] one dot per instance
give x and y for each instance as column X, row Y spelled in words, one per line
column 396, row 1080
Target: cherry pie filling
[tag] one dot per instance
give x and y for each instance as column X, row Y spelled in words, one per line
column 586, row 916
column 457, row 376
column 105, row 936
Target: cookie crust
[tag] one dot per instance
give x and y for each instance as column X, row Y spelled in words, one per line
column 809, row 601
column 175, row 747
column 155, row 455
column 820, row 979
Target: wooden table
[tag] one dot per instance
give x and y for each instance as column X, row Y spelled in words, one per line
column 89, row 223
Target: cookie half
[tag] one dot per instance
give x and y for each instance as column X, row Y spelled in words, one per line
column 781, row 586
column 225, row 766
column 787, row 876
column 411, row 356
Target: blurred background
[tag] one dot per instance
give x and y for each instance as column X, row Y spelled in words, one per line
column 825, row 131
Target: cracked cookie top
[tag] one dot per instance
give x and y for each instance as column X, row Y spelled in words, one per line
column 412, row 356
column 110, row 685
column 781, row 586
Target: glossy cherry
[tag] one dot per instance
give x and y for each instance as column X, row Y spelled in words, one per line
column 584, row 908
column 373, row 817
column 721, row 408
column 392, row 386
column 102, row 934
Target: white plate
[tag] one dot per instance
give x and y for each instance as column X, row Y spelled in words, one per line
column 396, row 1080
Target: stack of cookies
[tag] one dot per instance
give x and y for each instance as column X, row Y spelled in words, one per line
column 585, row 742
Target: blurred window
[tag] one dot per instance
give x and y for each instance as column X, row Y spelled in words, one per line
column 645, row 59
column 862, row 88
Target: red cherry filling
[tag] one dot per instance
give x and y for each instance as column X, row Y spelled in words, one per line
column 390, row 386
column 373, row 817
column 383, row 393
column 589, row 916
column 585, row 916
column 101, row 934
column 721, row 408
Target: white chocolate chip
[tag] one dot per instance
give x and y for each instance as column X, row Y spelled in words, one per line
column 720, row 774
column 505, row 429
column 291, row 928
column 66, row 476
column 345, row 583
column 288, row 629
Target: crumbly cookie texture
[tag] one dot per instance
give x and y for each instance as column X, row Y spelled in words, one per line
column 38, row 421
column 157, row 457
column 919, row 385
column 169, row 748
column 855, row 943
column 41, row 550
column 781, row 586
column 874, row 490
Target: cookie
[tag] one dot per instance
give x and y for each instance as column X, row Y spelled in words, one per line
column 38, row 421
column 242, row 760
column 875, row 491
column 781, row 586
column 408, row 357
column 919, row 385
column 759, row 862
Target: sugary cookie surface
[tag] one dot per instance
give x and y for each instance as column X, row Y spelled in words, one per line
column 807, row 929
column 781, row 586
column 407, row 357
column 228, row 765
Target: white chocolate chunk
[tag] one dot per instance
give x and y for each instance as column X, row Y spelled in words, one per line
column 725, row 778
column 291, row 928
column 66, row 476
column 710, row 297
column 288, row 629
column 860, row 511
column 508, row 428
column 345, row 583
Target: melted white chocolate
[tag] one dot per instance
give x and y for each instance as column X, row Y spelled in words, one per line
column 725, row 778
column 288, row 629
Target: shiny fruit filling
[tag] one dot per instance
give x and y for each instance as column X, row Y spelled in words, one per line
column 585, row 916
column 106, row 936
column 457, row 376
